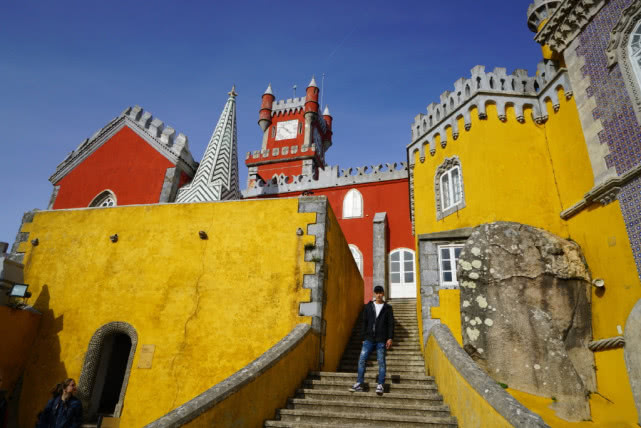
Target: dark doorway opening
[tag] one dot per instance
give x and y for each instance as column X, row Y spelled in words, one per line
column 114, row 356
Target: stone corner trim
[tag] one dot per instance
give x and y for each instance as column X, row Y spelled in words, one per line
column 603, row 193
column 21, row 237
column 316, row 254
column 219, row 392
column 506, row 405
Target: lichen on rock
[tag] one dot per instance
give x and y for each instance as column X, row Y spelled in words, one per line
column 532, row 290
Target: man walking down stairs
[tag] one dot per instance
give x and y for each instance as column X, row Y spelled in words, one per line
column 411, row 398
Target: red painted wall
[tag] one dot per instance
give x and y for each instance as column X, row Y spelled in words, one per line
column 391, row 197
column 126, row 164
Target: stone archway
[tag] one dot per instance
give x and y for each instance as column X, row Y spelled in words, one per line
column 93, row 370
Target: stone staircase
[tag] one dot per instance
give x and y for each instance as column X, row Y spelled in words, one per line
column 411, row 398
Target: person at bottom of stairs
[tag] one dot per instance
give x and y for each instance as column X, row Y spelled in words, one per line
column 378, row 332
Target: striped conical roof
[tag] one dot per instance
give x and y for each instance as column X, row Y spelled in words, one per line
column 217, row 176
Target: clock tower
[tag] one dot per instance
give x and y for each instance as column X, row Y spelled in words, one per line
column 295, row 137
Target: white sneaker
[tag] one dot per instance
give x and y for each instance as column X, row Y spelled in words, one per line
column 356, row 388
column 379, row 389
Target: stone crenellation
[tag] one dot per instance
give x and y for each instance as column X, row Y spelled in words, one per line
column 288, row 106
column 329, row 177
column 539, row 11
column 517, row 90
column 164, row 137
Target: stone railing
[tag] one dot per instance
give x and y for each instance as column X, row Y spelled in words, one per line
column 328, row 177
column 517, row 90
column 142, row 122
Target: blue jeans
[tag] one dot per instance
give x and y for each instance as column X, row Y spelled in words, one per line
column 368, row 347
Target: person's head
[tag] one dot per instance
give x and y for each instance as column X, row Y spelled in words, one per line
column 379, row 293
column 67, row 387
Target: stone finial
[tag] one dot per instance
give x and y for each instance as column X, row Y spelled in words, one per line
column 326, row 111
column 312, row 84
column 232, row 93
column 268, row 91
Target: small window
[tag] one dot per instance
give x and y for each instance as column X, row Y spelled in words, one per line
column 401, row 267
column 104, row 200
column 448, row 256
column 353, row 204
column 273, row 131
column 358, row 257
column 451, row 193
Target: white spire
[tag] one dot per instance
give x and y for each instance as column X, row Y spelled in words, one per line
column 312, row 83
column 217, row 176
column 326, row 111
column 268, row 91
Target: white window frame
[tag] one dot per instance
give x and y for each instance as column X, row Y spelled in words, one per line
column 353, row 204
column 402, row 270
column 359, row 259
column 455, row 195
column 102, row 197
column 635, row 57
column 453, row 265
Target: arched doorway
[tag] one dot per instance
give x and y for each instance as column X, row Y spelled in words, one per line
column 105, row 373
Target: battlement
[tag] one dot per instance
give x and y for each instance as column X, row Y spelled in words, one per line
column 162, row 137
column 517, row 90
column 290, row 105
column 327, row 177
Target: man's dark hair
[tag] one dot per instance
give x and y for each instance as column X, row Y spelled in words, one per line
column 379, row 289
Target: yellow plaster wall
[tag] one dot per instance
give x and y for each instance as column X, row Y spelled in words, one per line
column 209, row 306
column 529, row 173
column 449, row 300
column 344, row 294
column 256, row 401
column 467, row 405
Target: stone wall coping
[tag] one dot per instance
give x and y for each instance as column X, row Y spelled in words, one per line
column 328, row 177
column 507, row 406
column 380, row 217
column 567, row 22
column 603, row 193
column 162, row 138
column 234, row 383
column 448, row 235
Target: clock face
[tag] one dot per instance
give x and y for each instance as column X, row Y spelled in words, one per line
column 286, row 130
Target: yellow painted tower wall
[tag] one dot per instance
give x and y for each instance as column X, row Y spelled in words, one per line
column 210, row 306
column 529, row 173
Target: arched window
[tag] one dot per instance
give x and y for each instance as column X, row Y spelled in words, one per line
column 358, row 257
column 402, row 273
column 104, row 199
column 634, row 51
column 448, row 188
column 353, row 204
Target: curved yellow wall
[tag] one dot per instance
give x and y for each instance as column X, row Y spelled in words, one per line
column 530, row 173
column 209, row 306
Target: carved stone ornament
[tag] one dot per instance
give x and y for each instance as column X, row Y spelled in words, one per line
column 625, row 25
column 567, row 22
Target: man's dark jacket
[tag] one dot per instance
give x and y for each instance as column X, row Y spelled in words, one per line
column 384, row 323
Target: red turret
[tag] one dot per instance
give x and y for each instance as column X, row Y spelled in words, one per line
column 265, row 114
column 311, row 98
column 328, row 118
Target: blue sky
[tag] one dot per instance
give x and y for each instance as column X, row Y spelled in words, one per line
column 67, row 68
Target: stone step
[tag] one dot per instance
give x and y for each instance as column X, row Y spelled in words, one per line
column 376, row 406
column 370, row 385
column 388, row 362
column 390, row 371
column 427, row 398
column 402, row 347
column 349, row 378
column 389, row 357
column 390, row 352
column 364, row 419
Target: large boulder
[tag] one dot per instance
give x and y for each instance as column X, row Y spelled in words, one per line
column 525, row 313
